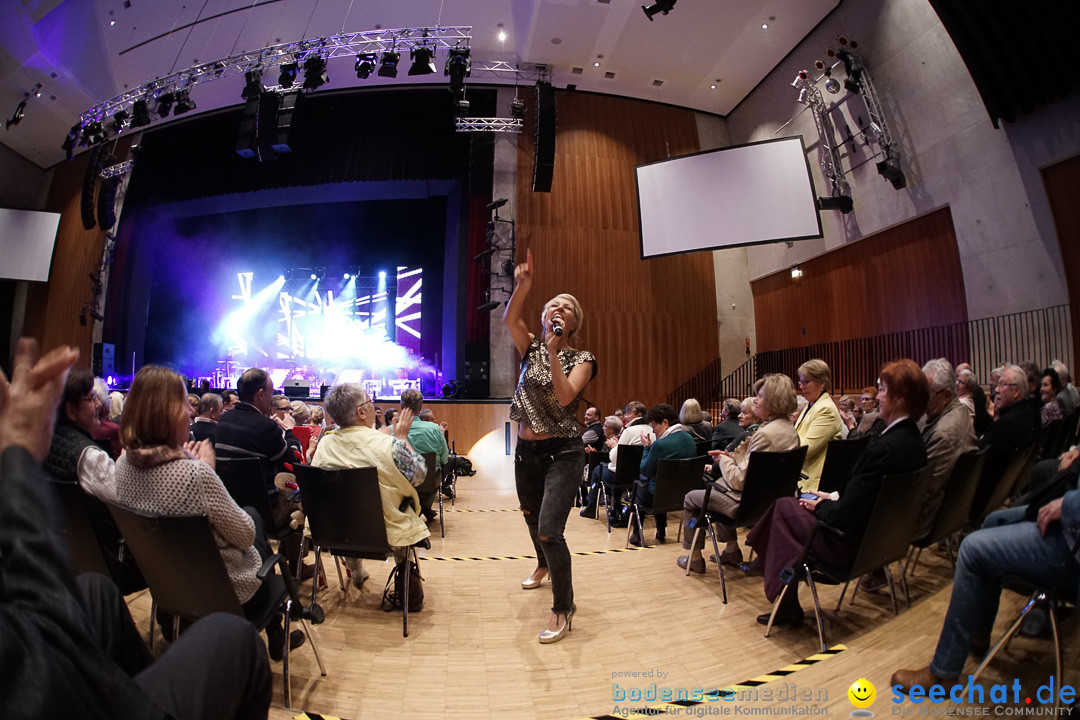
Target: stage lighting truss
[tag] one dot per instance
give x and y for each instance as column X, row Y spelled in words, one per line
column 829, row 153
column 117, row 170
column 494, row 124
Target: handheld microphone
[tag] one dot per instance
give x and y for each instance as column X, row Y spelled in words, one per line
column 556, row 328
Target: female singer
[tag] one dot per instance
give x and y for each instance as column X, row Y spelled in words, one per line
column 550, row 453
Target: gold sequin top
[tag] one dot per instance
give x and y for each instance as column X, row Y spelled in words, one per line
column 534, row 400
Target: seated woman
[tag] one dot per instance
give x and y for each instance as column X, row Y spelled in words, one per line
column 818, row 422
column 162, row 473
column 1049, row 387
column 779, row 536
column 693, row 421
column 774, row 402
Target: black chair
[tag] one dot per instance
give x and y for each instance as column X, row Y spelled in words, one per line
column 432, row 485
column 840, row 458
column 769, row 477
column 674, row 478
column 885, row 541
column 955, row 506
column 702, row 447
column 989, row 498
column 245, row 480
column 344, row 512
column 593, row 460
column 188, row 579
column 627, row 472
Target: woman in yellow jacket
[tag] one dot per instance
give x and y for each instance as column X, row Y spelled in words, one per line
column 819, row 421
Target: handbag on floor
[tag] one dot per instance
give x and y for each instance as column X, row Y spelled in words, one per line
column 391, row 599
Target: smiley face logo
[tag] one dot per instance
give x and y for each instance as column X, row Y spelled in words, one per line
column 862, row 693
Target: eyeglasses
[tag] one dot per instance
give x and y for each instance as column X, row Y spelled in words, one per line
column 1003, row 384
column 284, row 408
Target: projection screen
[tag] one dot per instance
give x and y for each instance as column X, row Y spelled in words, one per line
column 742, row 195
column 26, row 244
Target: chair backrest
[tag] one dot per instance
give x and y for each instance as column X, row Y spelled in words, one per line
column 892, row 521
column 702, row 447
column 243, row 478
column 675, row 478
column 769, row 477
column 596, row 458
column 180, row 561
column 344, row 509
column 82, row 543
column 433, row 478
column 985, row 502
column 627, row 465
column 959, row 493
column 303, row 434
column 840, row 458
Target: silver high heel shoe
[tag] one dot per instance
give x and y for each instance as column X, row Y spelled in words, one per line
column 553, row 636
column 530, row 584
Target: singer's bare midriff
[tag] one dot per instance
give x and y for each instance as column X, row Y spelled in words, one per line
column 526, row 433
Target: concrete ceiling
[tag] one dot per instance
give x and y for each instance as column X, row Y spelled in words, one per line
column 706, row 54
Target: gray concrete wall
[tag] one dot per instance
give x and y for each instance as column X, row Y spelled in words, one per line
column 950, row 152
column 25, row 184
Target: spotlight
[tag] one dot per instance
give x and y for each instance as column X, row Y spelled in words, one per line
column 889, row 168
column 365, row 63
column 832, row 86
column 517, row 108
column 345, row 276
column 458, row 67
column 662, row 6
column 485, row 254
column 315, row 73
column 390, row 60
column 117, row 124
column 70, row 140
column 93, row 134
column 382, row 274
column 842, row 203
column 496, row 204
column 183, row 102
column 314, row 276
column 422, row 61
column 165, row 103
column 253, row 87
column 489, row 306
column 287, row 76
column 17, row 116
column 853, row 67
column 140, row 114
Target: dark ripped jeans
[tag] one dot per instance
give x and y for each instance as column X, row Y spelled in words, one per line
column 548, row 473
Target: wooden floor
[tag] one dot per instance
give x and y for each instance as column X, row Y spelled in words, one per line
column 473, row 651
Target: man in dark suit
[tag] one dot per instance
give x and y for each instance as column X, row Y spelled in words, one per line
column 781, row 533
column 728, row 429
column 1013, row 429
column 209, row 412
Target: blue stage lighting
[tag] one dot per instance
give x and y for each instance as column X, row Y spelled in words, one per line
column 345, row 276
column 382, row 274
column 313, row 276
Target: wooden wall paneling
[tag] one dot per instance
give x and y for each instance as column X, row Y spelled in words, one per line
column 1062, row 183
column 470, row 423
column 652, row 323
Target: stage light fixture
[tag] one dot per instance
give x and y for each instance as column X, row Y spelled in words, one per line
column 93, row 134
column 365, row 63
column 485, row 254
column 314, row 277
column 423, row 62
column 489, row 306
column 346, row 276
column 662, row 6
column 458, row 67
column 889, row 168
column 388, row 68
column 253, row 86
column 183, row 102
column 517, row 108
column 842, row 203
column 382, row 274
column 287, row 76
column 117, row 124
column 832, row 85
column 165, row 103
column 70, row 140
column 315, row 73
column 140, row 114
column 17, row 116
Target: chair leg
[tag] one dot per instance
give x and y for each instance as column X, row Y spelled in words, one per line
column 775, row 607
column 442, row 526
column 315, row 577
column 405, row 597
column 153, row 615
column 719, row 565
column 892, row 591
column 340, row 577
column 817, row 610
column 914, row 562
column 1031, row 603
column 314, row 650
column 1057, row 653
column 904, row 584
column 285, row 656
column 843, row 592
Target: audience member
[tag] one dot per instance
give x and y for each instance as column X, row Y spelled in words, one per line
column 672, row 441
column 229, row 400
column 356, row 443
column 74, row 457
column 781, row 533
column 693, row 421
column 818, row 422
column 193, row 407
column 593, row 437
column 205, row 425
column 1012, row 429
column 1036, row 543
column 1068, row 397
column 425, row 437
column 116, row 405
column 846, row 405
column 68, row 646
column 748, row 420
column 300, row 412
column 870, row 424
column 773, row 404
column 636, row 428
column 728, row 429
column 1049, row 388
column 107, row 433
column 317, row 416
column 162, row 473
column 390, row 420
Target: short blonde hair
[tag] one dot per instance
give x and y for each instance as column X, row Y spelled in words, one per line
column 300, row 413
column 316, row 415
column 116, row 403
column 778, row 396
column 153, row 405
column 818, row 371
column 690, row 412
column 579, row 314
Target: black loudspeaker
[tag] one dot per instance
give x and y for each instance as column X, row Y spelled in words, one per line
column 284, row 121
column 104, row 359
column 89, row 185
column 544, row 156
column 247, row 145
column 106, row 203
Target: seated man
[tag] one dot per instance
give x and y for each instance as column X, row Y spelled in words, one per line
column 635, row 427
column 69, row 647
column 74, row 457
column 672, row 442
column 205, row 425
column 356, row 443
column 1034, row 542
column 593, row 437
column 107, row 433
column 728, row 429
column 425, row 437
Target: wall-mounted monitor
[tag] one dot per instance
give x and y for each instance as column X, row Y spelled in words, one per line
column 26, row 244
column 742, row 195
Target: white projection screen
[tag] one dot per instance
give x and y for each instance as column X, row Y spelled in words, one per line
column 741, row 195
column 26, row 244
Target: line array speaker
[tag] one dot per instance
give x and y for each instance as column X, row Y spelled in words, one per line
column 104, row 359
column 89, row 186
column 544, row 155
column 106, row 203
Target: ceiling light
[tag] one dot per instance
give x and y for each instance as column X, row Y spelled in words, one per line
column 764, row 26
column 596, row 64
column 253, row 86
column 661, row 6
column 458, row 67
column 502, row 33
column 796, row 273
column 422, row 61
column 140, row 114
column 183, row 102
column 365, row 63
column 388, row 68
column 287, row 76
column 315, row 73
column 165, row 103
